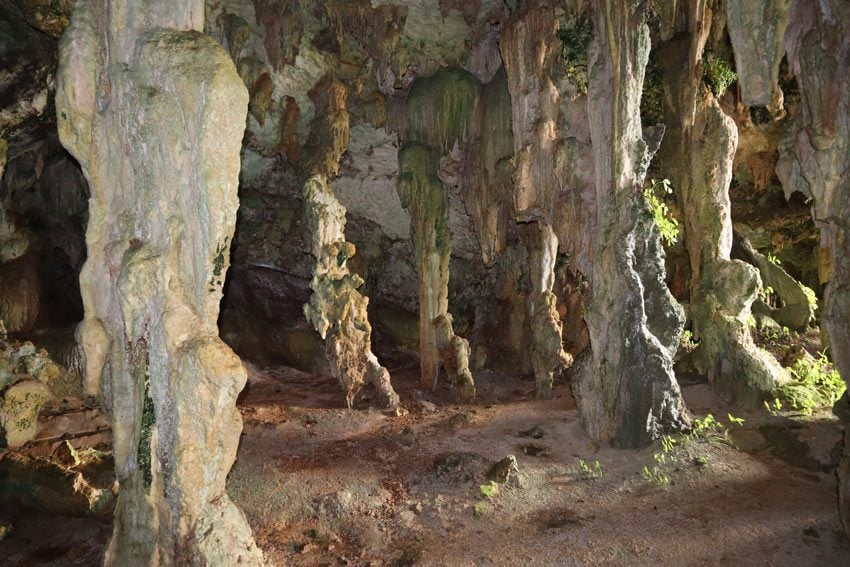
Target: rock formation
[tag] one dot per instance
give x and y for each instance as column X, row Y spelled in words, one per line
column 538, row 160
column 441, row 115
column 722, row 291
column 154, row 112
column 814, row 158
column 625, row 390
column 337, row 310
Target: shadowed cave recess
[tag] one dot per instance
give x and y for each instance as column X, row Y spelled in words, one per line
column 424, row 282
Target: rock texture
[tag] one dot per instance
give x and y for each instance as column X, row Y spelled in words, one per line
column 529, row 45
column 757, row 31
column 814, row 159
column 154, row 112
column 722, row 290
column 27, row 377
column 625, row 389
column 336, row 309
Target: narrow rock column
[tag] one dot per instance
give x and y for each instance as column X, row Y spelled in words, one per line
column 442, row 112
column 154, row 111
column 337, row 310
column 814, row 159
column 625, row 390
column 704, row 139
column 528, row 44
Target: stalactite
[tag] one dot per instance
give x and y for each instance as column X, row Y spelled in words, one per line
column 441, row 112
column 337, row 310
column 625, row 389
column 423, row 193
column 154, row 112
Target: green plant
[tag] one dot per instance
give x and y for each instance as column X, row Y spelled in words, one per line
column 481, row 508
column 589, row 472
column 773, row 259
column 717, row 74
column 575, row 38
column 655, row 475
column 489, row 490
column 815, row 385
column 811, row 296
column 668, row 226
column 773, row 408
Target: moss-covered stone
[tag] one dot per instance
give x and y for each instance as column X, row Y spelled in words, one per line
column 441, row 109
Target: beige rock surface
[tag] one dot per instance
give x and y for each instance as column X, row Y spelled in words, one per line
column 154, row 111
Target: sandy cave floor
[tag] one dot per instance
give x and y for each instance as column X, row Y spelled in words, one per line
column 322, row 485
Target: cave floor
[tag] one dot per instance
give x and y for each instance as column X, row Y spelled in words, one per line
column 322, row 485
column 325, row 486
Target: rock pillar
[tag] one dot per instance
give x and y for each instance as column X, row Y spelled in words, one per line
column 154, row 111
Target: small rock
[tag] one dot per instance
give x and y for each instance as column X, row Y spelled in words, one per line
column 505, row 471
column 5, row 529
column 427, row 407
column 19, row 409
column 459, row 420
column 333, row 505
column 534, row 432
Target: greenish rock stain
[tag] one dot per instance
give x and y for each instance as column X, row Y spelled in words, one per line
column 441, row 109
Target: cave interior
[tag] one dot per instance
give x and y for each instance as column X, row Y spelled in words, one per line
column 424, row 282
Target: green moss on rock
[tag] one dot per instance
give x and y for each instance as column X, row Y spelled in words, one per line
column 441, row 109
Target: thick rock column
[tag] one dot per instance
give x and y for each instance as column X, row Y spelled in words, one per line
column 625, row 390
column 337, row 310
column 814, row 159
column 154, row 112
column 722, row 291
column 528, row 46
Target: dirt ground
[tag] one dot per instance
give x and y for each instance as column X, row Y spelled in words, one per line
column 322, row 485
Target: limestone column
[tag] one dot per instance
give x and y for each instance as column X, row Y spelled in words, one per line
column 701, row 142
column 625, row 390
column 441, row 114
column 154, row 111
column 528, row 45
column 337, row 309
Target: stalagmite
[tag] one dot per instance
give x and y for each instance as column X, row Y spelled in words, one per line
column 337, row 310
column 722, row 291
column 441, row 112
column 154, row 112
column 625, row 390
column 814, row 159
column 538, row 153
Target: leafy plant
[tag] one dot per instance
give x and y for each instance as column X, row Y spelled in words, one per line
column 481, row 508
column 815, row 385
column 717, row 74
column 655, row 475
column 668, row 226
column 773, row 408
column 811, row 296
column 773, row 259
column 590, row 472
